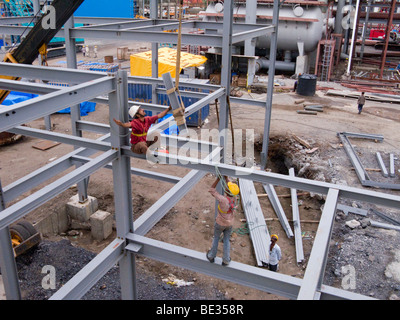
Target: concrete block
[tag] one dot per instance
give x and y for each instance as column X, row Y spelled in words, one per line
column 81, row 211
column 55, row 223
column 101, row 224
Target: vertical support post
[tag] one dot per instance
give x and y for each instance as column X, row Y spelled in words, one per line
column 7, row 260
column 296, row 222
column 154, row 54
column 70, row 48
column 249, row 44
column 36, row 9
column 270, row 88
column 226, row 69
column 316, row 264
column 353, row 38
column 387, row 37
column 225, row 83
column 122, row 183
column 365, row 27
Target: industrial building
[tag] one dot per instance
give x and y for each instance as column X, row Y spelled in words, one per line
column 65, row 59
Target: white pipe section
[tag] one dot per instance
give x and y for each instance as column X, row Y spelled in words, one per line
column 353, row 38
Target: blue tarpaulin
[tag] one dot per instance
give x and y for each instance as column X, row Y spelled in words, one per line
column 17, row 97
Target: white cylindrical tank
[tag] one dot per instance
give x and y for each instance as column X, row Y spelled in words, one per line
column 303, row 24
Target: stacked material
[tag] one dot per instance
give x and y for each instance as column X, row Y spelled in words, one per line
column 255, row 219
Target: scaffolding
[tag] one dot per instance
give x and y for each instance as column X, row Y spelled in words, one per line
column 115, row 153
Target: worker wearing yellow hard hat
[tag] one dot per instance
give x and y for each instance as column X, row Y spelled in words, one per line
column 224, row 218
column 275, row 253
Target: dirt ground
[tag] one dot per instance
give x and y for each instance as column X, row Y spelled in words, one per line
column 190, row 222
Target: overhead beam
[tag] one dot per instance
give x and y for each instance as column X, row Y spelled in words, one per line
column 31, row 202
column 275, row 178
column 23, row 112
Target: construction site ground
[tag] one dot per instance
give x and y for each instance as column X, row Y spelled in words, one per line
column 309, row 143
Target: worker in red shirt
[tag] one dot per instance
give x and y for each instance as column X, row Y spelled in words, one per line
column 140, row 125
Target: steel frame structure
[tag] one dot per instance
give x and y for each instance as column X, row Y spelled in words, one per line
column 115, row 154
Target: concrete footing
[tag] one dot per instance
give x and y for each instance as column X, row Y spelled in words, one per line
column 76, row 215
column 81, row 211
column 101, row 223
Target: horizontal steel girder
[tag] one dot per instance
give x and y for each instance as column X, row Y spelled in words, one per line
column 71, row 76
column 258, row 278
column 23, row 112
column 276, row 179
column 21, row 208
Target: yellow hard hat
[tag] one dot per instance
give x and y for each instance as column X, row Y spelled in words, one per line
column 233, row 188
column 275, row 236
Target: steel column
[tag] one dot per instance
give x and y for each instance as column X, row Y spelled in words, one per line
column 7, row 262
column 316, row 263
column 122, row 183
column 270, row 88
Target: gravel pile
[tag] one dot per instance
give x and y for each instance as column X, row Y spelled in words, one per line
column 68, row 260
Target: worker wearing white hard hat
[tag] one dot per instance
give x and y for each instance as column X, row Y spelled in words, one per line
column 140, row 125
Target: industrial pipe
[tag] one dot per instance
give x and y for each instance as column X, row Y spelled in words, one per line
column 263, row 63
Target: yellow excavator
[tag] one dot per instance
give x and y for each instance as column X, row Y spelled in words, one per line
column 23, row 234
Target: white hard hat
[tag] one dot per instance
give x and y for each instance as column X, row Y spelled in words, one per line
column 133, row 110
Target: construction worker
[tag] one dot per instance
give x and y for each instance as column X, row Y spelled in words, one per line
column 140, row 125
column 274, row 253
column 224, row 220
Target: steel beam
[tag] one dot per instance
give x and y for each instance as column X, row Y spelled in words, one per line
column 319, row 252
column 63, row 138
column 254, row 277
column 23, row 112
column 189, row 110
column 154, row 214
column 31, row 202
column 391, row 165
column 135, row 171
column 381, row 164
column 258, row 229
column 71, row 76
column 275, row 179
column 259, row 32
column 15, row 189
column 296, row 222
column 276, row 204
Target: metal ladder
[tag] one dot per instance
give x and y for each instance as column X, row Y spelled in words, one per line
column 326, row 61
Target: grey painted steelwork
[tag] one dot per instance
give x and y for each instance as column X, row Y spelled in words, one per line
column 276, row 204
column 319, row 253
column 255, row 221
column 391, row 165
column 347, row 209
column 296, row 222
column 362, row 174
column 381, row 164
column 129, row 243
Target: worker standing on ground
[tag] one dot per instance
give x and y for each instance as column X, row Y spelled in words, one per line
column 224, row 220
column 275, row 253
column 361, row 102
column 140, row 125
